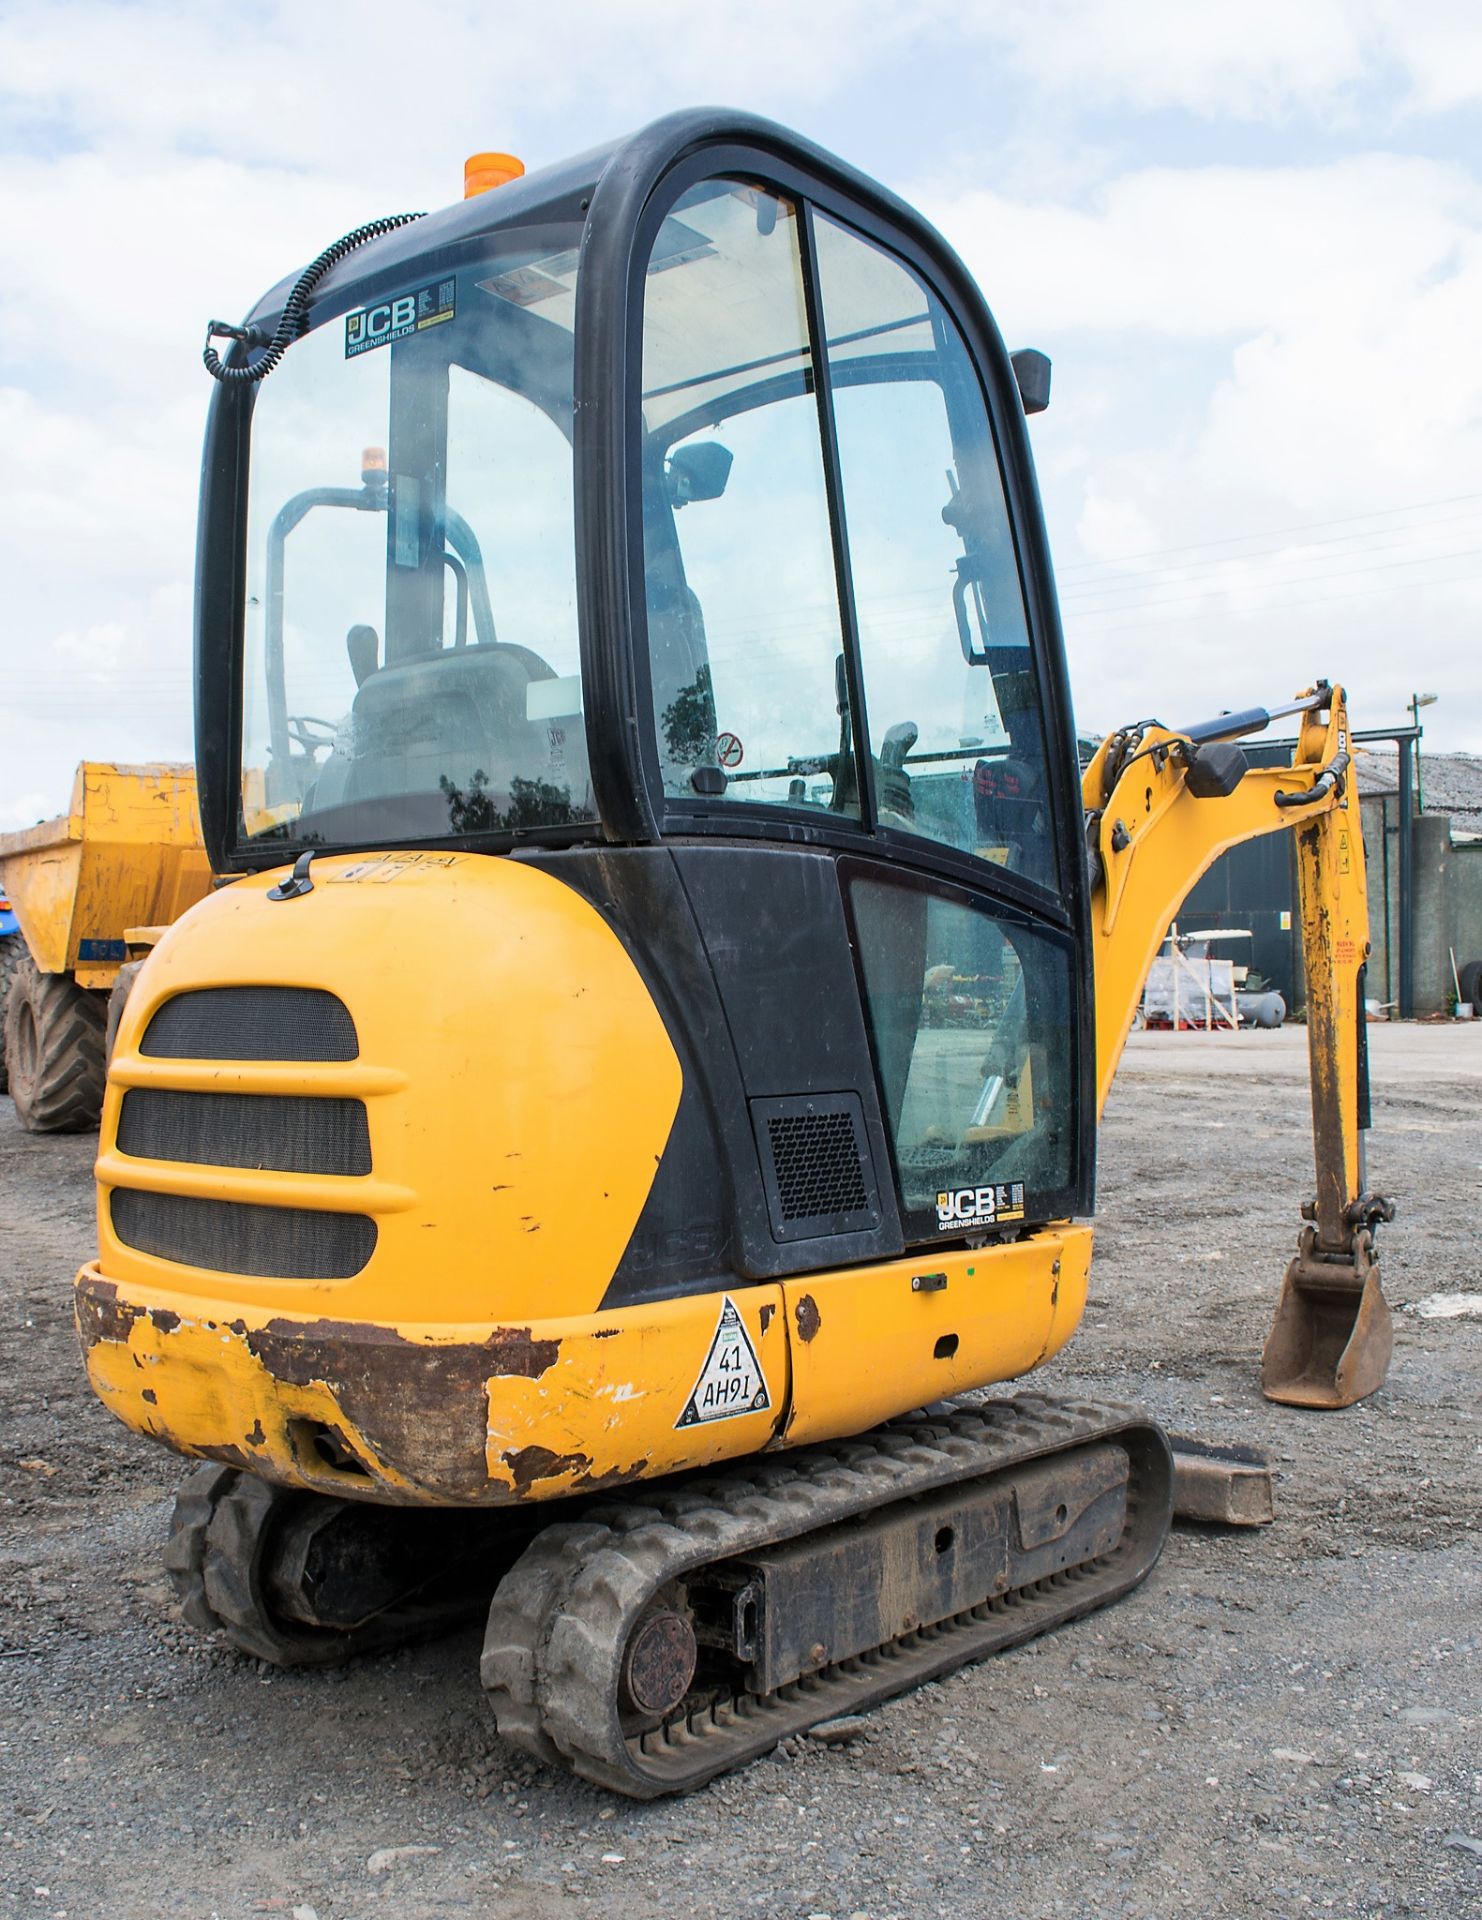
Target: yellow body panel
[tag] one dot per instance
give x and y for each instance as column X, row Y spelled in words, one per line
column 518, row 1082
column 520, row 1088
column 127, row 852
column 492, row 1414
column 449, row 1415
column 866, row 1345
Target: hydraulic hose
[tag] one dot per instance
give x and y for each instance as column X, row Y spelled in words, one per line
column 295, row 308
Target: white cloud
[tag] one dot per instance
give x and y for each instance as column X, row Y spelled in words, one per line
column 385, row 96
column 1238, row 347
column 1264, row 60
column 1242, row 350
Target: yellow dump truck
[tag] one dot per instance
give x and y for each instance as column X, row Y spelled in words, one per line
column 83, row 890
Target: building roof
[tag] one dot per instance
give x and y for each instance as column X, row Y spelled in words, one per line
column 1450, row 783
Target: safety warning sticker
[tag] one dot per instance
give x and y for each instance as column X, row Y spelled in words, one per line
column 409, row 313
column 731, row 1380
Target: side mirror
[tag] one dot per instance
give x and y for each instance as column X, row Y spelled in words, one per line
column 697, row 472
column 1032, row 371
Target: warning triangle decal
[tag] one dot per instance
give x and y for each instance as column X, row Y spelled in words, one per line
column 731, row 1381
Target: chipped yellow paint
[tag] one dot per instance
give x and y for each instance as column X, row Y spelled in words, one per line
column 515, row 1412
column 128, row 853
column 565, row 1406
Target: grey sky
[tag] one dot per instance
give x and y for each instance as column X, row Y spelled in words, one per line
column 1250, row 238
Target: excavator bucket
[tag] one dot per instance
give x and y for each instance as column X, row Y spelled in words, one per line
column 1332, row 1337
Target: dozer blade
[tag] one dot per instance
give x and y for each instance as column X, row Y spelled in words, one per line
column 1332, row 1337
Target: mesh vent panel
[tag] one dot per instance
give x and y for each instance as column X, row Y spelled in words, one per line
column 817, row 1171
column 252, row 1023
column 817, row 1165
column 281, row 1132
column 224, row 1236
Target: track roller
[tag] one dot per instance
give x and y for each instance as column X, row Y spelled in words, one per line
column 652, row 1646
column 301, row 1579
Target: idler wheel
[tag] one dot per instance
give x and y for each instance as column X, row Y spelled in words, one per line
column 658, row 1664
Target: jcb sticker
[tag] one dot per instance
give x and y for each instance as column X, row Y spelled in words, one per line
column 731, row 1381
column 979, row 1206
column 394, row 319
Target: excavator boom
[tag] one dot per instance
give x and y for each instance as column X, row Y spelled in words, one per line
column 1161, row 806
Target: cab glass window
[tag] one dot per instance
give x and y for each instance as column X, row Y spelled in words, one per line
column 949, row 683
column 744, row 634
column 971, row 1019
column 410, row 664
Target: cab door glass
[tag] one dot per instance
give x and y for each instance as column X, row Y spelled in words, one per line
column 970, row 1015
column 744, row 634
column 949, row 683
column 410, row 662
column 510, row 473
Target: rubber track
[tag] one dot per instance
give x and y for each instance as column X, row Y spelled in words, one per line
column 219, row 1543
column 12, row 951
column 64, row 1094
column 560, row 1620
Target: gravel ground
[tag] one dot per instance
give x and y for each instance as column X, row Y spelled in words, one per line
column 1279, row 1723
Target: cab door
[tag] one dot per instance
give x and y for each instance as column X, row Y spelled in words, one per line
column 838, row 648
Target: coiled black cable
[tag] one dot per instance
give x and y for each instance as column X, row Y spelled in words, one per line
column 291, row 320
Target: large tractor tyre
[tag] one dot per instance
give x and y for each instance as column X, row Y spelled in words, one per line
column 12, row 952
column 54, row 1051
column 123, row 986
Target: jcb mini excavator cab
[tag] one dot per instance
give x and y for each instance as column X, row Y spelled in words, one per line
column 626, row 609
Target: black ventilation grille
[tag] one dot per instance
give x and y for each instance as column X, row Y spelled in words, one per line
column 816, row 1166
column 252, row 1023
column 224, row 1236
column 286, row 1133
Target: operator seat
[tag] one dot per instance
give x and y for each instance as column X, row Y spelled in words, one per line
column 437, row 719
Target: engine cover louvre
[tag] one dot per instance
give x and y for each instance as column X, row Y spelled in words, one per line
column 252, row 1023
column 226, row 1236
column 284, row 1133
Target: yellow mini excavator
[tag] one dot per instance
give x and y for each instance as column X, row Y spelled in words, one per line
column 652, row 1036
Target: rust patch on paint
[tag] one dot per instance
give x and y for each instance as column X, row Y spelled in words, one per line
column 764, row 1317
column 101, row 1315
column 163, row 1318
column 257, row 1436
column 808, row 1318
column 516, row 1355
column 421, row 1408
column 149, row 1396
column 614, row 1477
column 529, row 1464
